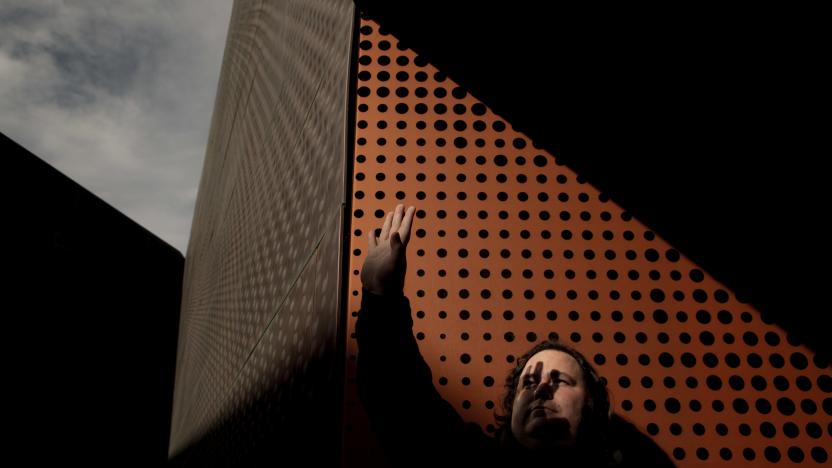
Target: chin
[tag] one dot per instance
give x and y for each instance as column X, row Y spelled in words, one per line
column 540, row 435
column 562, row 443
column 555, row 444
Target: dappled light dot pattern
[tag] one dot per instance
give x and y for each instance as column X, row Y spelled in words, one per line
column 260, row 294
column 509, row 247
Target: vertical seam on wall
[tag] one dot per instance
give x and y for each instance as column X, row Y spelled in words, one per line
column 346, row 236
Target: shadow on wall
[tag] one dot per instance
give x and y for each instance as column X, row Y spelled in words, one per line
column 696, row 123
column 294, row 421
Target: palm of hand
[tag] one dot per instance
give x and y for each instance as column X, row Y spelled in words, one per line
column 386, row 263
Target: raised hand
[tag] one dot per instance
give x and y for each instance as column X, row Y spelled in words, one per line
column 386, row 261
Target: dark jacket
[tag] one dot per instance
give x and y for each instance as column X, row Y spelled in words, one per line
column 414, row 424
column 417, row 427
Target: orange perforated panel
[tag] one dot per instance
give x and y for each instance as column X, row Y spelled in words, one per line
column 510, row 248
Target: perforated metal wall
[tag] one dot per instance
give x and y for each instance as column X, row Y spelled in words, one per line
column 510, row 248
column 258, row 358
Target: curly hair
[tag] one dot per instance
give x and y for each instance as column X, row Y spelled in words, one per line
column 593, row 430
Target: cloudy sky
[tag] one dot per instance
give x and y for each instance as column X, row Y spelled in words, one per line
column 117, row 95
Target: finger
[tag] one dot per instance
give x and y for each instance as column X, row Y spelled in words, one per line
column 385, row 231
column 395, row 241
column 371, row 238
column 397, row 218
column 407, row 222
column 538, row 370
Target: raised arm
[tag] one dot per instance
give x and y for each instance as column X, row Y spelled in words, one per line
column 386, row 262
column 395, row 384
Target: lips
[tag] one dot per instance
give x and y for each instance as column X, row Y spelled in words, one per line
column 536, row 408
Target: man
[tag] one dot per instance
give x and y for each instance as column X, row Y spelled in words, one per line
column 556, row 406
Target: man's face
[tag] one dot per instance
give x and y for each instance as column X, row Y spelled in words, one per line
column 549, row 400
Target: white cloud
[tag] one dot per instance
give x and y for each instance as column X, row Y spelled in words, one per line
column 118, row 96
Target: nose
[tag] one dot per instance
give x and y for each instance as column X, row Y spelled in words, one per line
column 545, row 390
